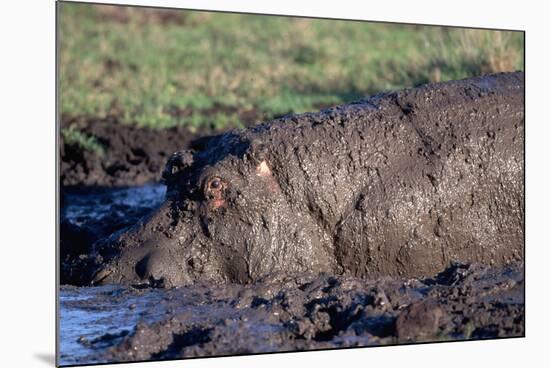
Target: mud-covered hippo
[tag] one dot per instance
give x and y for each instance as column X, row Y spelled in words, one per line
column 402, row 184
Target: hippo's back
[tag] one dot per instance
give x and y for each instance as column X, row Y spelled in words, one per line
column 450, row 184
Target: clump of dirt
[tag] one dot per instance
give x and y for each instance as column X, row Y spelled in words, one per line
column 304, row 312
column 132, row 155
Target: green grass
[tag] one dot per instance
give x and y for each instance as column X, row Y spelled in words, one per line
column 74, row 137
column 208, row 70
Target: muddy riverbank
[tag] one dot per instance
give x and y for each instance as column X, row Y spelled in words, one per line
column 124, row 154
column 113, row 323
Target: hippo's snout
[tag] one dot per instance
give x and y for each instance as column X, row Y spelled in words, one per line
column 101, row 275
column 147, row 254
column 160, row 268
column 157, row 268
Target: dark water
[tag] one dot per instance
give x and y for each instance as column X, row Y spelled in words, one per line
column 80, row 207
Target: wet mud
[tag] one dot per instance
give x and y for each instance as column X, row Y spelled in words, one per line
column 114, row 323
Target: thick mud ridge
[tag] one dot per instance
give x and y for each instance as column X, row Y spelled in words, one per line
column 113, row 323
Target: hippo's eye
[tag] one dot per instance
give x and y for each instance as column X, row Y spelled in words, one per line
column 215, row 183
column 214, row 193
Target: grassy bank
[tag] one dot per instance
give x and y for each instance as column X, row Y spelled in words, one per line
column 159, row 68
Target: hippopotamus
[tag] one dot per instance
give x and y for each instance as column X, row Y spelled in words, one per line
column 398, row 184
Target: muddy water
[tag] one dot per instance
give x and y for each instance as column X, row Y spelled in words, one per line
column 96, row 205
column 114, row 323
column 93, row 318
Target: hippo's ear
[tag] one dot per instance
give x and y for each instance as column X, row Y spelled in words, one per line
column 263, row 169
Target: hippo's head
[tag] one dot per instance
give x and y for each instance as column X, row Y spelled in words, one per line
column 226, row 218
